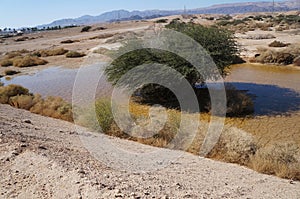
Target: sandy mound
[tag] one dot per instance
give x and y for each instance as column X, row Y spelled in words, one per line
column 44, row 158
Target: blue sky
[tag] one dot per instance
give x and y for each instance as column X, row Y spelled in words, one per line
column 20, row 13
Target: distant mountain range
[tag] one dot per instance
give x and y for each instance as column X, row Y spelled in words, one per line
column 148, row 14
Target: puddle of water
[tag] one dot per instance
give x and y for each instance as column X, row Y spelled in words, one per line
column 56, row 81
column 276, row 89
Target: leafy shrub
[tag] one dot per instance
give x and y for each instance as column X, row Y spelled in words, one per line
column 104, row 114
column 6, row 62
column 74, row 54
column 28, row 61
column 11, row 72
column 86, row 28
column 278, row 44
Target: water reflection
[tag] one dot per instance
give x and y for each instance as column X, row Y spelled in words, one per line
column 271, row 99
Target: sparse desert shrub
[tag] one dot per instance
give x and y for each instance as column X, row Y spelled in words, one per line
column 226, row 17
column 297, row 61
column 99, row 28
column 6, row 92
column 86, row 28
column 11, row 72
column 260, row 36
column 284, row 56
column 28, row 61
column 6, row 62
column 51, row 52
column 101, row 50
column 235, row 146
column 69, row 41
column 22, row 39
column 54, row 107
column 162, row 21
column 104, row 114
column 278, row 44
column 74, row 54
column 12, row 54
column 102, row 36
column 22, row 101
column 282, row 159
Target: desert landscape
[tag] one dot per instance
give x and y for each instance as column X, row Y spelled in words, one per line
column 48, row 149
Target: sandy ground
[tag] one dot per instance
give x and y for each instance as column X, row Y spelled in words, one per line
column 52, row 39
column 44, row 158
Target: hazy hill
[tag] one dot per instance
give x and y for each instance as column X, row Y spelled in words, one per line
column 216, row 9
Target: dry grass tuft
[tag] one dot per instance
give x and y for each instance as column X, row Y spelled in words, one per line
column 11, row 72
column 19, row 97
column 6, row 62
column 74, row 54
column 50, row 52
column 102, row 36
column 6, row 92
column 284, row 56
column 235, row 146
column 28, row 61
column 282, row 160
column 54, row 107
column 278, row 44
column 69, row 41
column 101, row 50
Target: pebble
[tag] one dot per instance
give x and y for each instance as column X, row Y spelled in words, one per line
column 42, row 147
column 27, row 121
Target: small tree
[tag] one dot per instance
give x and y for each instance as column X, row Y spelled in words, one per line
column 219, row 43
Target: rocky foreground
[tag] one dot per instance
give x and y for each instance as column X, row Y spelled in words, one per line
column 44, row 158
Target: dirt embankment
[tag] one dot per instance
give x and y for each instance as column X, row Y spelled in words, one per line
column 44, row 158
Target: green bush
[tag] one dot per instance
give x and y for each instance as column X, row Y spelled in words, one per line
column 104, row 114
column 74, row 54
